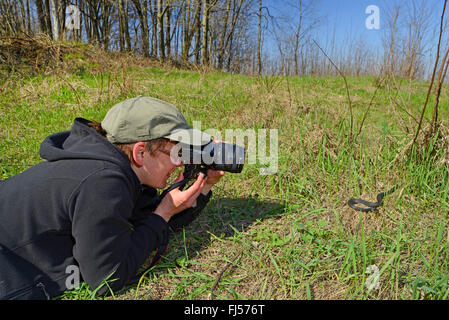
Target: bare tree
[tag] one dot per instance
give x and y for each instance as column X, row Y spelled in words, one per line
column 56, row 10
column 292, row 35
column 54, row 20
column 190, row 26
column 41, row 16
column 160, row 29
column 168, row 28
column 205, row 30
column 142, row 11
column 259, row 39
column 121, row 18
column 417, row 22
column 226, row 34
column 406, row 37
column 198, row 36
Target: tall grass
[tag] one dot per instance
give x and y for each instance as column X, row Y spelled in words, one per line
column 289, row 235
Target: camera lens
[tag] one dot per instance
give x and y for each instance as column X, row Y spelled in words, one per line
column 217, row 156
column 228, row 157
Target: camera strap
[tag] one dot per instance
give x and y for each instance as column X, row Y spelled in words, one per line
column 181, row 184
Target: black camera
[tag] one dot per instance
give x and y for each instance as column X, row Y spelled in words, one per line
column 216, row 156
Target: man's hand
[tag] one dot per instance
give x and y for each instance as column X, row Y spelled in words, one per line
column 213, row 176
column 176, row 200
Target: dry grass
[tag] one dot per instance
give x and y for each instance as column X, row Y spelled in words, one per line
column 289, row 235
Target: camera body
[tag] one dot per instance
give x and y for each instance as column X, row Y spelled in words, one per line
column 216, row 156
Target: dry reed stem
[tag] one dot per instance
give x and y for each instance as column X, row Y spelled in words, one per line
column 433, row 75
column 347, row 90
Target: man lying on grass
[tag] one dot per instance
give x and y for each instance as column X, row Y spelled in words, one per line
column 93, row 203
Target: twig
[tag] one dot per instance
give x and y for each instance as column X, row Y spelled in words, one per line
column 433, row 75
column 398, row 105
column 289, row 92
column 441, row 76
column 70, row 85
column 369, row 107
column 220, row 275
column 346, row 85
column 210, row 101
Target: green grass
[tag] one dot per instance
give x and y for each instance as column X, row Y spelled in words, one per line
column 285, row 236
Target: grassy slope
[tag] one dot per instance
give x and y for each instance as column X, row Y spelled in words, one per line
column 283, row 236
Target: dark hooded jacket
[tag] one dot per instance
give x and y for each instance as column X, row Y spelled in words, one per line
column 82, row 209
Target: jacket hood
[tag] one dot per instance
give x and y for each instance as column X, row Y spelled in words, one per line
column 82, row 142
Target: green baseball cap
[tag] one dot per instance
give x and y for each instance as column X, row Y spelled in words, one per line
column 147, row 118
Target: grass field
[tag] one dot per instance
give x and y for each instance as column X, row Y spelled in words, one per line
column 290, row 235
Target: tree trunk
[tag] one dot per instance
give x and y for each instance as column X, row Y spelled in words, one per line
column 205, row 30
column 160, row 29
column 198, row 35
column 259, row 40
column 60, row 15
column 190, row 28
column 28, row 17
column 48, row 18
column 106, row 7
column 145, row 31
column 126, row 26
column 88, row 22
column 186, row 31
column 54, row 20
column 221, row 47
column 230, row 36
column 168, row 30
column 142, row 12
column 121, row 22
column 41, row 16
column 297, row 37
column 154, row 20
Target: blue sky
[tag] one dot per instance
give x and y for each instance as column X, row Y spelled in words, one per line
column 347, row 17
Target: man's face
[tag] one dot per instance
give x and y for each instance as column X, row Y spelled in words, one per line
column 157, row 168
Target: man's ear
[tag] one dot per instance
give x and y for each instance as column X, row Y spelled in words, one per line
column 138, row 152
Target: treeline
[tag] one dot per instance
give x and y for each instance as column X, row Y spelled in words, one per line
column 406, row 41
column 216, row 33
column 240, row 36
